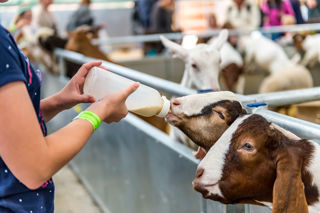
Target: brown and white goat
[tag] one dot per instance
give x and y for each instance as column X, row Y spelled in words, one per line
column 231, row 67
column 253, row 162
column 309, row 46
column 210, row 114
column 202, row 67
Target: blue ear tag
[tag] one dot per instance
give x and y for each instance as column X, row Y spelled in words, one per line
column 257, row 104
column 204, row 91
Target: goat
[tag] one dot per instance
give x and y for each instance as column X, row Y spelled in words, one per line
column 202, row 63
column 288, row 78
column 204, row 117
column 309, row 46
column 253, row 162
column 284, row 73
column 188, row 114
column 264, row 52
column 202, row 66
column 78, row 41
column 32, row 46
column 231, row 67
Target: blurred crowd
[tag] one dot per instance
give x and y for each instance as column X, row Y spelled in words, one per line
column 30, row 19
column 155, row 16
column 158, row 15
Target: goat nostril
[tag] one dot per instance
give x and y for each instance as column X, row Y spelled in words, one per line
column 176, row 102
column 199, row 172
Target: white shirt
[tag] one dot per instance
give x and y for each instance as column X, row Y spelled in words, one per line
column 248, row 17
column 43, row 18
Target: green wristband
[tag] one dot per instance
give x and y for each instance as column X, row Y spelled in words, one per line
column 91, row 117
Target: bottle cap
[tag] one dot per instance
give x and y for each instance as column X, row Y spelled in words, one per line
column 165, row 107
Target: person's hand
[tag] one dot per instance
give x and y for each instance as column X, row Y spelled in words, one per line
column 112, row 108
column 311, row 4
column 72, row 93
column 22, row 22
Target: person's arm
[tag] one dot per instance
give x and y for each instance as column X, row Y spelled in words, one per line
column 30, row 156
column 255, row 19
column 311, row 3
column 288, row 8
column 265, row 11
column 69, row 96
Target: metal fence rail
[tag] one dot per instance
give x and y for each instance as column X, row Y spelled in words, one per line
column 272, row 99
column 134, row 130
column 133, row 167
column 284, row 98
column 158, row 83
column 210, row 33
column 301, row 128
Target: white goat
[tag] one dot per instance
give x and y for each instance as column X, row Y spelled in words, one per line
column 202, row 66
column 202, row 63
column 231, row 67
column 311, row 46
column 285, row 73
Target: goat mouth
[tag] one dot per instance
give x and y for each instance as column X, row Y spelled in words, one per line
column 173, row 119
column 209, row 194
column 203, row 188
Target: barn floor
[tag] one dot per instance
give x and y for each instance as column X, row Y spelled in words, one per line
column 71, row 196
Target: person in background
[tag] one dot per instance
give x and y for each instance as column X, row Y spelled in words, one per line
column 162, row 16
column 28, row 156
column 42, row 17
column 22, row 20
column 314, row 11
column 212, row 22
column 296, row 6
column 277, row 13
column 144, row 9
column 243, row 14
column 80, row 17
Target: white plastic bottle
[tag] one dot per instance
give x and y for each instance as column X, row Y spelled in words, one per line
column 145, row 101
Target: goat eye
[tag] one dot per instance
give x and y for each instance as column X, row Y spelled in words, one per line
column 248, row 147
column 194, row 66
column 221, row 115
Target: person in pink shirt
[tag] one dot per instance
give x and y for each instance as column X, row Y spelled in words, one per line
column 274, row 10
column 277, row 13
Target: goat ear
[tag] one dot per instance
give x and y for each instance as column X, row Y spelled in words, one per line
column 176, row 49
column 244, row 111
column 222, row 38
column 288, row 189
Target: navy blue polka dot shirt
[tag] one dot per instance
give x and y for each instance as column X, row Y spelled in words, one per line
column 14, row 196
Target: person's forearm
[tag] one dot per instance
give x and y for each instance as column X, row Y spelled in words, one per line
column 56, row 151
column 30, row 156
column 50, row 107
column 65, row 143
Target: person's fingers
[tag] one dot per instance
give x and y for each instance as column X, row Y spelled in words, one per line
column 102, row 67
column 129, row 90
column 86, row 99
column 81, row 84
column 92, row 64
column 84, row 69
